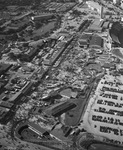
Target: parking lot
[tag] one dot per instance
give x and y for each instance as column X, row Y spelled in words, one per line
column 104, row 113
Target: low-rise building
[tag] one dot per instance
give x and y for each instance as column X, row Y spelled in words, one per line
column 43, row 17
column 27, row 88
column 29, row 55
column 94, row 6
column 35, row 44
column 109, row 65
column 82, row 43
column 96, row 42
column 84, row 40
column 23, row 16
column 6, row 104
column 36, row 128
column 3, row 111
column 106, row 25
column 95, row 26
column 62, row 108
column 4, row 68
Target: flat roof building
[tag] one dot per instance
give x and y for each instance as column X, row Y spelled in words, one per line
column 3, row 111
column 106, row 25
column 36, row 128
column 4, row 67
column 27, row 88
column 84, row 40
column 95, row 26
column 96, row 42
column 64, row 107
column 37, row 43
column 94, row 6
column 43, row 17
column 23, row 16
column 6, row 104
column 2, row 85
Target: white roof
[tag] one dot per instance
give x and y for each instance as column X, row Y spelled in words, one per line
column 94, row 4
column 36, row 43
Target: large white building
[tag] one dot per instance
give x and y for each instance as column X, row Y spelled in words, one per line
column 80, row 1
column 121, row 3
column 95, row 6
column 116, row 1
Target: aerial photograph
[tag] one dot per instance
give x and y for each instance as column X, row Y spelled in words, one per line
column 61, row 74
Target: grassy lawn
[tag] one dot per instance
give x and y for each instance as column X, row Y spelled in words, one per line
column 43, row 30
column 95, row 66
column 73, row 117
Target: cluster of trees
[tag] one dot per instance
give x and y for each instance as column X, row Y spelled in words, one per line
column 2, row 5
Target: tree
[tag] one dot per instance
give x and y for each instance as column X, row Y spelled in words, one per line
column 12, row 56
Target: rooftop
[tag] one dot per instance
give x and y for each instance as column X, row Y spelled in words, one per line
column 36, row 127
column 96, row 42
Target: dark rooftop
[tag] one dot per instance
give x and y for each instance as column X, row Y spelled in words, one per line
column 96, row 42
